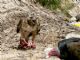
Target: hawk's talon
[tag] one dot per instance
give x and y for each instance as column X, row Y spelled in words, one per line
column 33, row 45
column 23, row 44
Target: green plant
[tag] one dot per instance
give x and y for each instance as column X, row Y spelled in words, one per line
column 51, row 4
column 63, row 5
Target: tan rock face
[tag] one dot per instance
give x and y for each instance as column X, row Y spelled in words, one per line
column 76, row 8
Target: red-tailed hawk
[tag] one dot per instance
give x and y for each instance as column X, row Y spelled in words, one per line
column 27, row 28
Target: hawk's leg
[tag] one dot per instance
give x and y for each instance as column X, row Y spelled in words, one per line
column 23, row 41
column 33, row 42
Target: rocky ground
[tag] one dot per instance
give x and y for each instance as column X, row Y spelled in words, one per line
column 53, row 29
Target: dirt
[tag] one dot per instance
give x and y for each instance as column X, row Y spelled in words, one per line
column 53, row 29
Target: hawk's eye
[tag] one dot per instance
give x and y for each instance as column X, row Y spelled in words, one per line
column 34, row 21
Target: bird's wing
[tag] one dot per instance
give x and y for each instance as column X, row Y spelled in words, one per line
column 19, row 26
